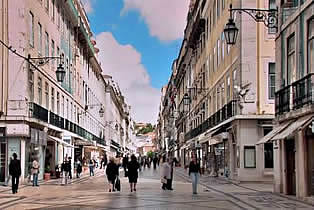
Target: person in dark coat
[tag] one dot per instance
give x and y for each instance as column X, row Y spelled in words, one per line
column 133, row 167
column 104, row 162
column 15, row 172
column 78, row 168
column 125, row 162
column 112, row 172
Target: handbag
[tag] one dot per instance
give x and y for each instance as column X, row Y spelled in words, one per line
column 163, row 180
column 118, row 184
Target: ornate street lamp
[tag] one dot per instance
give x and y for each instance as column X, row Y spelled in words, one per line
column 101, row 112
column 231, row 32
column 267, row 16
column 186, row 99
column 60, row 73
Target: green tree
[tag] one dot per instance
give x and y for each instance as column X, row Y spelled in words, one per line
column 150, row 154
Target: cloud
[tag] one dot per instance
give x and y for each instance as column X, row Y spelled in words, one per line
column 166, row 19
column 88, row 5
column 123, row 63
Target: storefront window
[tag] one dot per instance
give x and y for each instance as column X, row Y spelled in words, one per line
column 249, row 157
column 269, row 155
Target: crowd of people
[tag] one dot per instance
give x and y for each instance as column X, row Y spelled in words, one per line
column 131, row 166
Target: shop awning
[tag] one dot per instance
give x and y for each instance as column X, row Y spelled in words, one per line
column 218, row 138
column 293, row 127
column 273, row 133
column 56, row 139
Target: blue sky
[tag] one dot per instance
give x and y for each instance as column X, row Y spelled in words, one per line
column 138, row 41
column 157, row 56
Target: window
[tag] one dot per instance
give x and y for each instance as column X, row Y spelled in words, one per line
column 223, row 4
column 40, row 96
column 272, row 5
column 53, row 10
column 74, row 118
column 46, row 44
column 53, row 52
column 222, row 46
column 58, row 54
column 31, row 29
column 271, row 80
column 67, row 111
column 47, row 5
column 218, row 52
column 40, row 38
column 31, row 85
column 52, row 99
column 269, row 155
column 228, row 89
column 222, row 94
column 214, row 60
column 218, row 8
column 291, row 58
column 249, row 157
column 71, row 112
column 310, row 54
column 62, row 106
column 58, row 15
column 58, row 103
column 47, row 94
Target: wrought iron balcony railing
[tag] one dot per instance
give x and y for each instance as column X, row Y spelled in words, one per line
column 38, row 112
column 56, row 120
column 303, row 91
column 295, row 96
column 226, row 112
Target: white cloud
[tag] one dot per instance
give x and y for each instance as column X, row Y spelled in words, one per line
column 166, row 19
column 123, row 63
column 88, row 5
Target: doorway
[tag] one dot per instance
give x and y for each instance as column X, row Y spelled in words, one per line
column 290, row 166
column 3, row 152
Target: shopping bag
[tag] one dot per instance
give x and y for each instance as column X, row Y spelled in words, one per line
column 32, row 178
column 118, row 184
column 163, row 180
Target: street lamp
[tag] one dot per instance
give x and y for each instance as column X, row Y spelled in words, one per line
column 60, row 73
column 268, row 16
column 101, row 110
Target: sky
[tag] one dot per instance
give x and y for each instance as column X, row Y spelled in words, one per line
column 138, row 42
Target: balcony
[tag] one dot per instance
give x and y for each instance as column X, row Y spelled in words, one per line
column 226, row 112
column 56, row 120
column 295, row 96
column 38, row 112
column 84, row 37
column 71, row 11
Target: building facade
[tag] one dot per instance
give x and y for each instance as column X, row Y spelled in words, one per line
column 225, row 94
column 42, row 118
column 292, row 136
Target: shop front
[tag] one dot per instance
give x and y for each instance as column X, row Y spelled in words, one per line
column 3, row 155
column 35, row 149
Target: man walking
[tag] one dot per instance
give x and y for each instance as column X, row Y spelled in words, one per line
column 35, row 172
column 15, row 172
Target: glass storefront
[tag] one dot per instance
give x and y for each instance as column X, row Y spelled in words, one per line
column 3, row 152
column 35, row 148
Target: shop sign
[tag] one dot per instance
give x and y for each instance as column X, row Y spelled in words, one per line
column 17, row 130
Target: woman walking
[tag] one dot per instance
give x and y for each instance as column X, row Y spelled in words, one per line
column 133, row 166
column 91, row 168
column 165, row 174
column 78, row 168
column 194, row 172
column 112, row 172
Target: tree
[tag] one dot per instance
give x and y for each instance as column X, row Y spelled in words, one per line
column 150, row 154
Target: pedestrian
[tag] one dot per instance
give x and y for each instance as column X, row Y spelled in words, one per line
column 194, row 173
column 133, row 166
column 140, row 162
column 155, row 162
column 35, row 172
column 65, row 168
column 165, row 174
column 91, row 168
column 173, row 163
column 125, row 162
column 70, row 169
column 104, row 162
column 112, row 172
column 78, row 168
column 15, row 172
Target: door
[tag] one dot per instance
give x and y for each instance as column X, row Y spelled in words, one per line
column 2, row 160
column 290, row 167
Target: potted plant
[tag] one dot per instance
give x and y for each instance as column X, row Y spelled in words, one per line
column 47, row 173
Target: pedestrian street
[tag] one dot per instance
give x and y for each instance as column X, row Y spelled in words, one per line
column 92, row 193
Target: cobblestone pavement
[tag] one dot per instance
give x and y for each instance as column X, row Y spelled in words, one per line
column 92, row 193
